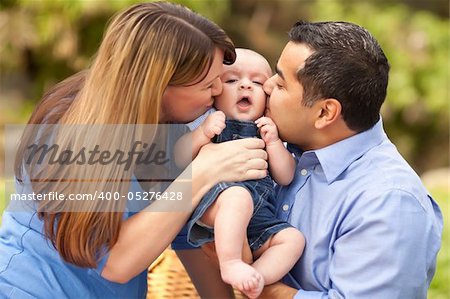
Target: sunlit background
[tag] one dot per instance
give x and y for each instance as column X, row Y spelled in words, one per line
column 42, row 42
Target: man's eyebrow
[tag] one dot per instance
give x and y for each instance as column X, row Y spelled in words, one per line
column 279, row 72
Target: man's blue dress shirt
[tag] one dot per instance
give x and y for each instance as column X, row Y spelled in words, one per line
column 372, row 231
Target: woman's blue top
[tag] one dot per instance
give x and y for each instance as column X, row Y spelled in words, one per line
column 30, row 267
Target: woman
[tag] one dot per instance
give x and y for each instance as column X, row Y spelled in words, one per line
column 158, row 63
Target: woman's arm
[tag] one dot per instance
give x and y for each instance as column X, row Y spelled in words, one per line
column 144, row 236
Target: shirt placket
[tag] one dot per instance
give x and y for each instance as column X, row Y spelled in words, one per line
column 303, row 172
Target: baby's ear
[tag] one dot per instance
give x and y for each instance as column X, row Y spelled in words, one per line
column 328, row 112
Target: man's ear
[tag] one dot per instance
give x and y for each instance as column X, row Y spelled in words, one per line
column 329, row 110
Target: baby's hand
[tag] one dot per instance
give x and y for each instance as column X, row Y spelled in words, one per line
column 214, row 124
column 268, row 130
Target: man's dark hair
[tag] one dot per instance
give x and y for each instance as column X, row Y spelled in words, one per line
column 347, row 64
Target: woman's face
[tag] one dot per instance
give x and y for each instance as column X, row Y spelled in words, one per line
column 182, row 104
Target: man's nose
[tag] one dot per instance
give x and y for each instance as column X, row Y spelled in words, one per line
column 269, row 85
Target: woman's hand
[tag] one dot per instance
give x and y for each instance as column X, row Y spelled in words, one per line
column 237, row 160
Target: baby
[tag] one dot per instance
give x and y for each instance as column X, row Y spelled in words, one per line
column 233, row 212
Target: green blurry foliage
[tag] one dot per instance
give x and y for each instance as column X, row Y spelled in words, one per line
column 440, row 288
column 43, row 41
column 416, row 111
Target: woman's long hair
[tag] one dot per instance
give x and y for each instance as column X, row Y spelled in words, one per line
column 145, row 48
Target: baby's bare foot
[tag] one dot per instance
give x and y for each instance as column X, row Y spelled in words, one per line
column 243, row 277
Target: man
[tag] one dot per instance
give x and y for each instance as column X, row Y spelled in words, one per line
column 371, row 229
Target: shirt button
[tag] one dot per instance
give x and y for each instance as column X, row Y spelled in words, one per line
column 285, row 207
column 304, row 172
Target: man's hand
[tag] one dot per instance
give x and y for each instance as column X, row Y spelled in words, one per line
column 277, row 290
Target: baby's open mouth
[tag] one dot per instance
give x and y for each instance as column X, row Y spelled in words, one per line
column 244, row 102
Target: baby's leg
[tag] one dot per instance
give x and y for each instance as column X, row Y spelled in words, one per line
column 279, row 254
column 231, row 214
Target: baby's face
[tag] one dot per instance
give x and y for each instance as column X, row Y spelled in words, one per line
column 243, row 97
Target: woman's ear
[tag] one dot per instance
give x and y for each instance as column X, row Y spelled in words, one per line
column 329, row 111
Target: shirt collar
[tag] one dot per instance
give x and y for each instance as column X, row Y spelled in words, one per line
column 335, row 158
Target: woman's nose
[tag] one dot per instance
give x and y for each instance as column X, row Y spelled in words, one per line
column 269, row 85
column 216, row 88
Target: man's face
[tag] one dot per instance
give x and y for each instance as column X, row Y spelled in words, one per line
column 295, row 121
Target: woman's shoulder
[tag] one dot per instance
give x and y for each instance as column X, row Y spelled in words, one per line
column 16, row 233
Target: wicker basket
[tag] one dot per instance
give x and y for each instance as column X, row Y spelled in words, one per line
column 167, row 278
